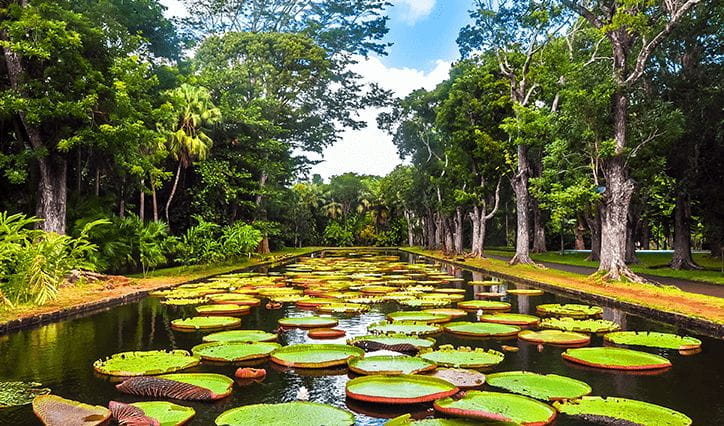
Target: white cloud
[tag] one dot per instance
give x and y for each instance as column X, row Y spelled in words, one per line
column 414, row 10
column 175, row 9
column 370, row 150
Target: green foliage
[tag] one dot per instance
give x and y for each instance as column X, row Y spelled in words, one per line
column 338, row 234
column 208, row 242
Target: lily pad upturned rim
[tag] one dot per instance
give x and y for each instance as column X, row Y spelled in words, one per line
column 572, row 310
column 525, row 291
column 579, row 325
column 481, row 329
column 185, row 360
column 308, row 322
column 254, row 350
column 485, row 305
column 205, row 322
column 586, row 356
column 397, row 327
column 349, row 351
column 415, row 341
column 533, row 385
column 366, row 365
column 555, row 337
column 649, row 339
column 595, row 408
column 299, row 413
column 448, row 406
column 418, row 316
column 491, row 357
column 445, row 388
column 75, row 410
column 240, row 336
column 17, row 393
column 219, row 385
column 166, row 412
column 510, row 319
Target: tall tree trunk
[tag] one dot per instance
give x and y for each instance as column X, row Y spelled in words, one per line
column 439, row 229
column 682, row 258
column 173, row 192
column 154, row 202
column 142, row 203
column 410, row 229
column 522, row 205
column 593, row 220
column 264, row 244
column 52, row 193
column 474, row 216
column 539, row 230
column 449, row 238
column 579, row 233
column 458, row 233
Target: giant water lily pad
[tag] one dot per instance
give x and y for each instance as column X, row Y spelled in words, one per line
column 234, row 351
column 223, row 309
column 549, row 387
column 402, row 389
column 484, row 305
column 451, row 312
column 555, row 337
column 308, row 322
column 419, row 316
column 463, row 378
column 448, row 356
column 622, row 411
column 240, row 336
column 404, row 327
column 205, row 323
column 289, row 413
column 571, row 310
column 653, row 339
column 406, row 420
column 497, row 406
column 343, row 308
column 145, row 363
column 580, row 325
column 392, row 342
column 143, row 413
column 53, row 410
column 525, row 292
column 390, row 365
column 315, row 356
column 184, row 386
column 510, row 319
column 20, row 393
column 616, row 358
column 481, row 329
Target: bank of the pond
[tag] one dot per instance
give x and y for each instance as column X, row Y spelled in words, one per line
column 115, row 290
column 698, row 312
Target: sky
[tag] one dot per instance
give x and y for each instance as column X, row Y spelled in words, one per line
column 423, row 34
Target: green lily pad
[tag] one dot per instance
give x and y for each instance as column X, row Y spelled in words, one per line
column 167, row 413
column 53, row 410
column 481, row 329
column 525, row 292
column 616, row 358
column 145, row 363
column 223, row 309
column 571, row 310
column 451, row 312
column 580, row 325
column 385, row 341
column 20, row 393
column 419, row 316
column 404, row 327
column 315, row 356
column 510, row 319
column 240, row 336
column 308, row 322
column 621, row 411
column 498, row 406
column 402, row 389
column 205, row 323
column 390, row 365
column 406, row 420
column 548, row 387
column 485, row 305
column 289, row 413
column 234, row 351
column 183, row 386
column 184, row 301
column 426, row 302
column 216, row 383
column 463, row 357
column 653, row 340
column 555, row 337
column 343, row 308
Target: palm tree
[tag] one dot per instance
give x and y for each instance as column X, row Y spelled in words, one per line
column 333, row 210
column 186, row 139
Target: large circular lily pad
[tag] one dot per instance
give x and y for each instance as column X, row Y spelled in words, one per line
column 463, row 378
column 571, row 310
column 234, row 351
column 580, row 325
column 510, row 319
column 402, row 389
column 497, row 406
column 548, row 387
column 289, row 413
column 621, row 411
column 308, row 322
column 481, row 329
column 390, row 365
column 223, row 309
column 53, row 410
column 555, row 337
column 616, row 358
column 525, row 292
column 183, row 386
column 20, row 393
column 343, row 308
column 419, row 316
column 240, row 336
column 463, row 357
column 167, row 413
column 391, row 342
column 315, row 356
column 409, row 328
column 406, row 420
column 451, row 312
column 653, row 340
column 485, row 305
column 205, row 323
column 146, row 363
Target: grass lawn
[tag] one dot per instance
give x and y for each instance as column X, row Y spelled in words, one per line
column 650, row 263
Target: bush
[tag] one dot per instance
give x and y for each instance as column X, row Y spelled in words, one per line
column 338, row 235
column 208, row 242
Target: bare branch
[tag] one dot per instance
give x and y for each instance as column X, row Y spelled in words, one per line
column 497, row 201
column 590, row 17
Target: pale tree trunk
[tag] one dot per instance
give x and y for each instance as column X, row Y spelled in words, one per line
column 264, row 244
column 579, row 233
column 142, row 203
column 539, row 230
column 439, row 229
column 475, row 248
column 682, row 258
column 631, row 233
column 173, row 192
column 410, row 229
column 480, row 217
column 154, row 202
column 449, row 239
column 593, row 220
column 458, row 232
column 522, row 204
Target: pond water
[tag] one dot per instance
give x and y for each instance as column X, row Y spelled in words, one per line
column 60, row 355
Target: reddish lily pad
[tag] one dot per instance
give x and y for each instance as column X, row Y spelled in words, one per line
column 463, row 378
column 326, row 333
column 402, row 389
column 183, row 386
column 53, row 410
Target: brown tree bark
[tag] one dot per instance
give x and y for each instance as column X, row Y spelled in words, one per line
column 522, row 205
column 410, row 230
column 682, row 258
column 458, row 231
column 579, row 232
column 539, row 230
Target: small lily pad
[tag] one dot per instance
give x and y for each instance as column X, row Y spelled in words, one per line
column 485, row 305
column 463, row 357
column 580, row 325
column 498, row 406
column 234, row 351
column 653, row 340
column 20, row 393
column 404, row 327
column 525, row 292
column 314, row 355
column 167, row 413
column 571, row 310
column 240, row 336
column 402, row 389
column 548, row 387
column 616, row 358
column 289, row 413
column 555, row 337
column 390, row 365
column 481, row 329
column 621, row 411
column 205, row 323
column 145, row 363
column 308, row 322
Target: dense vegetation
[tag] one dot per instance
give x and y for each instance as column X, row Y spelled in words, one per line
column 138, row 142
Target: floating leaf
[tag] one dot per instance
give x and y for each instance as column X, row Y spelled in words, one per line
column 481, row 329
column 616, row 358
column 205, row 323
column 485, row 305
column 580, row 325
column 166, row 413
column 392, row 342
column 653, row 339
column 622, row 411
column 419, row 316
column 464, row 357
column 145, row 363
column 571, row 310
column 461, row 377
column 402, row 389
column 315, row 356
column 511, row 319
column 390, row 365
column 308, row 322
column 184, row 386
column 53, row 410
column 20, row 393
column 404, row 327
column 555, row 337
column 289, row 413
column 497, row 406
column 234, row 351
column 549, row 387
column 240, row 336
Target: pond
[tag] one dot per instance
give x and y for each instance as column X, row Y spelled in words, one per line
column 60, row 356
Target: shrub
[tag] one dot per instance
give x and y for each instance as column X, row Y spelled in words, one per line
column 338, row 235
column 207, row 242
